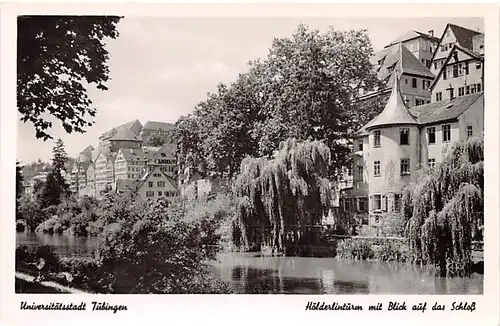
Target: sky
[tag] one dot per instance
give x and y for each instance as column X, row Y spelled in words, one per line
column 161, row 67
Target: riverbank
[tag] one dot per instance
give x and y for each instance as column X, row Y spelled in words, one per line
column 25, row 283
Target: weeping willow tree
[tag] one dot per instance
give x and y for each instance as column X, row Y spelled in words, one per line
column 282, row 200
column 446, row 209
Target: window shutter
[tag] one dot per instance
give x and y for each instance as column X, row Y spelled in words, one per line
column 370, row 203
column 382, row 204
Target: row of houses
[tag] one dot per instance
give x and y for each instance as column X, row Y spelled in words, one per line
column 124, row 159
column 434, row 90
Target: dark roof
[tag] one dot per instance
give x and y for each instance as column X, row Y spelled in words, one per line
column 396, row 60
column 156, row 125
column 463, row 35
column 88, row 149
column 125, row 134
column 395, row 111
column 124, row 184
column 450, row 54
column 133, row 154
column 444, row 110
column 132, row 126
column 412, row 35
column 167, row 149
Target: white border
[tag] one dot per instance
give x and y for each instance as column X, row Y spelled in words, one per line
column 246, row 309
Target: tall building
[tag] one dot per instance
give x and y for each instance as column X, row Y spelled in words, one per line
column 421, row 45
column 396, row 61
column 390, row 149
column 455, row 35
column 155, row 128
column 134, row 127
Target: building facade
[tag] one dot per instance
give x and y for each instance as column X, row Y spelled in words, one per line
column 421, row 45
column 455, row 35
column 130, row 164
column 156, row 184
column 399, row 142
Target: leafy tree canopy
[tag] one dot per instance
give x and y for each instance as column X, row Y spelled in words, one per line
column 303, row 89
column 58, row 58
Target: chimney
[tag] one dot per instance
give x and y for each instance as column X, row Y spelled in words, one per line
column 431, row 32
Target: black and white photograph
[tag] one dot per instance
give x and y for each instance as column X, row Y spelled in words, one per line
column 244, row 155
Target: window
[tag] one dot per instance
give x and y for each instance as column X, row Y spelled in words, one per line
column 397, row 202
column 376, row 138
column 428, row 62
column 362, row 204
column 431, row 135
column 419, row 102
column 404, row 136
column 478, row 65
column 406, row 80
column 435, row 65
column 473, row 88
column 455, row 71
column 469, row 131
column 414, row 82
column 466, row 68
column 377, row 202
column 446, row 133
column 405, row 166
column 150, row 184
column 431, row 162
column 452, row 95
column 478, row 87
column 360, row 145
column 467, row 90
column 461, row 91
column 159, row 194
column 444, row 74
column 439, row 96
column 360, row 173
column 161, row 184
column 376, row 168
column 150, row 193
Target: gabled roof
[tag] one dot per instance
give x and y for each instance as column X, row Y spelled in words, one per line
column 125, row 134
column 412, row 35
column 167, row 149
column 124, row 184
column 134, row 126
column 463, row 36
column 450, row 55
column 395, row 61
column 133, row 154
column 156, row 125
column 395, row 111
column 164, row 175
column 88, row 149
column 444, row 110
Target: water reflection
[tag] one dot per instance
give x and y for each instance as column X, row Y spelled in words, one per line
column 254, row 273
column 64, row 245
column 251, row 273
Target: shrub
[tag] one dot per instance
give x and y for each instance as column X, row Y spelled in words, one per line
column 355, row 249
column 20, row 226
column 24, row 256
column 392, row 251
column 155, row 252
column 47, row 226
column 84, row 271
column 393, row 225
column 48, row 254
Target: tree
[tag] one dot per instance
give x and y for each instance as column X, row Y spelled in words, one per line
column 281, row 201
column 304, row 89
column 447, row 209
column 55, row 187
column 58, row 58
column 19, row 180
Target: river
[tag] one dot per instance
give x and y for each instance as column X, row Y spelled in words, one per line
column 254, row 273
